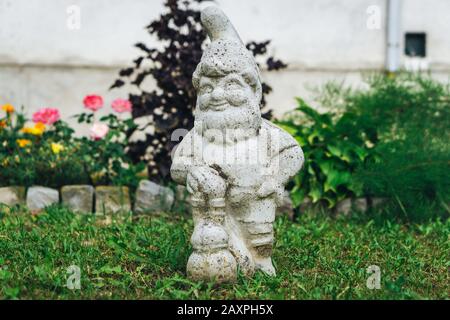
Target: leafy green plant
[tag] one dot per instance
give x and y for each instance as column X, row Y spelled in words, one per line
column 387, row 141
column 106, row 159
column 409, row 116
column 333, row 151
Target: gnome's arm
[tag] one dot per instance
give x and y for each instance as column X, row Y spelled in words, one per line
column 290, row 161
column 284, row 164
column 183, row 160
column 201, row 180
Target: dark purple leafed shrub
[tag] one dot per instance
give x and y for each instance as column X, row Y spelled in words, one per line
column 171, row 105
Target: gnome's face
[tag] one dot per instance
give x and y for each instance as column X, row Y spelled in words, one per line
column 228, row 88
column 227, row 102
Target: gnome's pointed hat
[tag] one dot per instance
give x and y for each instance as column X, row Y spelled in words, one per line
column 226, row 53
column 218, row 26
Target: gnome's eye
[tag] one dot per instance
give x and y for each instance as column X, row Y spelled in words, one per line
column 233, row 85
column 206, row 88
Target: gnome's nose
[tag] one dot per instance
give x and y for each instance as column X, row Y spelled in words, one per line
column 218, row 94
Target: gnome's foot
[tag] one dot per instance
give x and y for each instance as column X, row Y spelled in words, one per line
column 266, row 266
column 219, row 266
column 239, row 249
column 243, row 256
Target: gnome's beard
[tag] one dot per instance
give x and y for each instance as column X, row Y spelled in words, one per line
column 230, row 125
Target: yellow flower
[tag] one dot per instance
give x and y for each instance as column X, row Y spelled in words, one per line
column 3, row 124
column 96, row 176
column 39, row 126
column 37, row 130
column 23, row 142
column 8, row 108
column 5, row 162
column 57, row 147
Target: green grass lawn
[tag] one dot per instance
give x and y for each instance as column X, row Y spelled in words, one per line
column 316, row 258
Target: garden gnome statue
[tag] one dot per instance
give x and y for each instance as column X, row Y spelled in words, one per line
column 234, row 163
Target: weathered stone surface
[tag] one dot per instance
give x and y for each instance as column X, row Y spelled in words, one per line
column 151, row 197
column 234, row 163
column 78, row 198
column 111, row 200
column 39, row 198
column 12, row 196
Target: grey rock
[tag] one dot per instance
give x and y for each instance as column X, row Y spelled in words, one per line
column 12, row 196
column 344, row 207
column 151, row 197
column 112, row 200
column 78, row 198
column 38, row 198
column 347, row 205
column 378, row 202
column 360, row 204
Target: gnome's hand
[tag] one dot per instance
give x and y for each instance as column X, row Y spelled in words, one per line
column 205, row 180
column 270, row 187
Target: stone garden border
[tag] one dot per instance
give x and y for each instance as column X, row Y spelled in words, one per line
column 149, row 198
column 86, row 199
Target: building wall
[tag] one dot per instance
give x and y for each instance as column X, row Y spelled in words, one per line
column 45, row 62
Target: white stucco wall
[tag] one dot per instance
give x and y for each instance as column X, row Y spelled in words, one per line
column 314, row 34
column 45, row 63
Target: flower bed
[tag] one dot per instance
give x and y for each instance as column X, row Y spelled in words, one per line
column 47, row 152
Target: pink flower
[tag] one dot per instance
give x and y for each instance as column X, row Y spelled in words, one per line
column 93, row 102
column 46, row 115
column 99, row 131
column 121, row 105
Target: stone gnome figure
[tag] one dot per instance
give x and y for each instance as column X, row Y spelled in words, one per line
column 234, row 163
